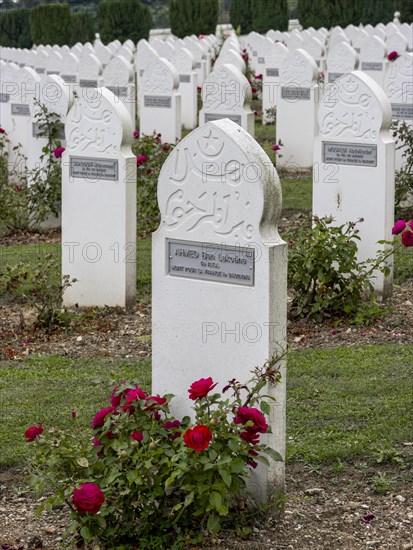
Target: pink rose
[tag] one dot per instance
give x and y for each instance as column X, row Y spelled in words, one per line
column 276, row 147
column 392, row 56
column 88, row 499
column 137, row 436
column 398, row 227
column 136, row 134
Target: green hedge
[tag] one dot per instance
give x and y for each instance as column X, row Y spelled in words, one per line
column 193, row 17
column 241, row 15
column 123, row 20
column 270, row 14
column 82, row 27
column 15, row 28
column 50, row 24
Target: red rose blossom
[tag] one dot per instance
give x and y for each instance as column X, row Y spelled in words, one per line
column 99, row 418
column 136, row 134
column 398, row 227
column 251, row 437
column 34, row 431
column 198, row 438
column 392, row 56
column 137, row 436
column 2, row 131
column 88, row 499
column 116, row 399
column 276, row 147
column 171, row 424
column 201, row 388
column 254, row 90
column 58, row 152
column 158, row 399
column 246, row 414
column 407, row 238
column 141, row 160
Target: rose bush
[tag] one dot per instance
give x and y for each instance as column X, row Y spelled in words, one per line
column 140, row 476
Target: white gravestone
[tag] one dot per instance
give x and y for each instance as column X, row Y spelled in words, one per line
column 99, row 204
column 90, row 73
column 219, row 274
column 297, row 106
column 8, row 92
column 55, row 63
column 354, row 163
column 160, row 101
column 227, row 94
column 314, row 47
column 119, row 78
column 274, row 58
column 28, row 82
column 70, row 69
column 233, row 57
column 398, row 86
column 396, row 42
column 144, row 57
column 373, row 58
column 200, row 59
column 341, row 59
column 184, row 63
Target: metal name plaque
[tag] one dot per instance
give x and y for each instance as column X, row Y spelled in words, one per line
column 184, row 78
column 370, row 66
column 357, row 50
column 350, row 153
column 402, row 110
column 254, row 54
column 211, row 262
column 209, row 117
column 71, row 78
column 4, row 98
column 261, row 60
column 20, row 109
column 272, row 72
column 88, row 83
column 333, row 76
column 157, row 101
column 141, row 72
column 40, row 71
column 295, row 93
column 94, row 168
column 118, row 91
column 317, row 62
column 37, row 130
column 198, row 65
column 52, row 72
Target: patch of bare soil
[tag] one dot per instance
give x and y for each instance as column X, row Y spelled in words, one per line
column 322, row 511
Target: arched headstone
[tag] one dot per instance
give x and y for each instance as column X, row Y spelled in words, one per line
column 354, row 163
column 184, row 63
column 341, row 59
column 219, row 274
column 99, row 204
column 119, row 78
column 373, row 58
column 160, row 101
column 90, row 71
column 226, row 93
column 274, row 59
column 396, row 42
column 297, row 106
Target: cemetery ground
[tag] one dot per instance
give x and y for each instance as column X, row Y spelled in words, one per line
column 349, row 419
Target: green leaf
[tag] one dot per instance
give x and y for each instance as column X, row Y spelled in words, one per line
column 83, row 462
column 237, row 465
column 262, row 459
column 86, row 534
column 273, row 454
column 265, row 408
column 215, row 499
column 213, row 524
column 226, row 477
column 189, row 498
column 233, row 445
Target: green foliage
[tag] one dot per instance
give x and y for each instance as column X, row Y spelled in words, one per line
column 15, row 28
column 193, row 17
column 29, row 198
column 82, row 27
column 330, row 13
column 379, row 11
column 38, row 290
column 123, row 20
column 152, row 148
column 403, row 135
column 50, row 24
column 325, row 275
column 241, row 15
column 159, row 487
column 269, row 14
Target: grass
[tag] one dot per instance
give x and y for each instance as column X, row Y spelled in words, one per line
column 342, row 404
column 49, row 388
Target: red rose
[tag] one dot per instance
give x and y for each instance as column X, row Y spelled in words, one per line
column 171, row 424
column 258, row 77
column 252, row 463
column 246, row 414
column 136, row 134
column 2, row 131
column 137, row 436
column 198, row 438
column 407, row 238
column 276, row 147
column 398, row 227
column 34, row 431
column 116, row 399
column 201, row 388
column 392, row 56
column 159, row 400
column 88, row 499
column 99, row 418
column 141, row 160
column 58, row 152
column 149, row 171
column 254, row 90
column 251, row 437
column 131, row 396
